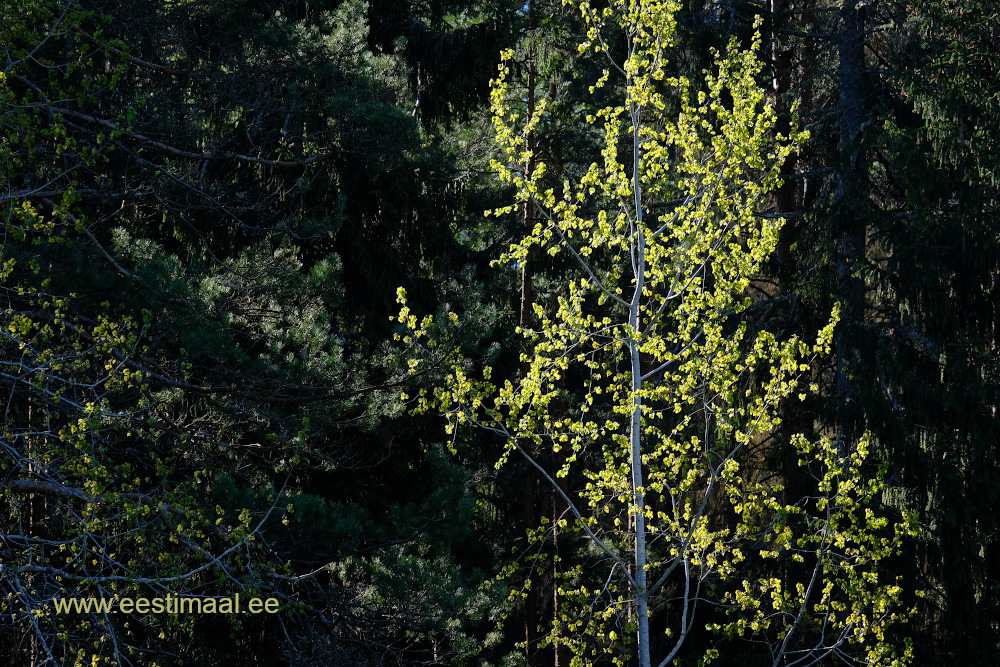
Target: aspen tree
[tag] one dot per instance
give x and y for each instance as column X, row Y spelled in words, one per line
column 676, row 391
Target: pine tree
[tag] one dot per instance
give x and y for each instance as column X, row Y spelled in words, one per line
column 201, row 214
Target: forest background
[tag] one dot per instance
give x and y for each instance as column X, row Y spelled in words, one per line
column 208, row 208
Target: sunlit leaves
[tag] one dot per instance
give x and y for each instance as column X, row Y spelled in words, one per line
column 653, row 330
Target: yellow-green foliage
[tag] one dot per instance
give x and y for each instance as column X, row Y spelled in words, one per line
column 664, row 229
column 84, row 432
column 90, row 497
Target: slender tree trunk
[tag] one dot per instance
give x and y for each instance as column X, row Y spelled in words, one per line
column 529, row 518
column 561, row 655
column 639, row 505
column 785, row 197
column 529, row 511
column 849, row 214
column 36, row 509
column 641, row 592
column 794, row 417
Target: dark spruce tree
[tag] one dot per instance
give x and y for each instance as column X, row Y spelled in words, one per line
column 895, row 207
column 206, row 211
